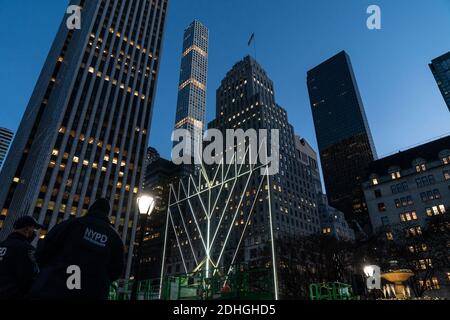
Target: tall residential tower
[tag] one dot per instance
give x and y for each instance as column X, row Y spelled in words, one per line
column 191, row 104
column 343, row 135
column 85, row 132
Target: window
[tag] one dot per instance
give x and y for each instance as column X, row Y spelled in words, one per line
column 431, row 179
column 413, row 232
column 378, row 194
column 385, row 221
column 375, row 182
column 408, row 216
column 381, row 207
column 430, row 195
column 432, row 284
column 425, row 181
column 404, row 202
column 436, row 210
column 396, row 175
column 424, row 264
column 437, row 194
column 447, row 174
column 421, row 168
column 389, row 236
column 399, row 188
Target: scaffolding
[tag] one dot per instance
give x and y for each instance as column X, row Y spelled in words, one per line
column 331, row 291
column 242, row 284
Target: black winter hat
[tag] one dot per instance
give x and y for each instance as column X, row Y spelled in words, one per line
column 26, row 221
column 100, row 206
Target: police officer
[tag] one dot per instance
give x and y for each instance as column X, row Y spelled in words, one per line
column 80, row 258
column 18, row 266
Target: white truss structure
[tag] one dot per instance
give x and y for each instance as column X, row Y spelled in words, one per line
column 208, row 220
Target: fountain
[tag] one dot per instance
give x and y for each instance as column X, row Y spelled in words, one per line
column 398, row 278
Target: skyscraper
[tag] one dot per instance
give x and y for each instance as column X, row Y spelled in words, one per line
column 191, row 104
column 332, row 221
column 85, row 131
column 441, row 71
column 6, row 137
column 345, row 143
column 246, row 100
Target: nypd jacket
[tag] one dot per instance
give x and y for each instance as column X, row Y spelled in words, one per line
column 79, row 259
column 18, row 267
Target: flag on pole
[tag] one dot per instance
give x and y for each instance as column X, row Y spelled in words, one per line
column 252, row 38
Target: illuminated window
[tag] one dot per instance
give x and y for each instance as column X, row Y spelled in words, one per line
column 421, row 168
column 436, row 210
column 408, row 216
column 396, row 175
column 447, row 175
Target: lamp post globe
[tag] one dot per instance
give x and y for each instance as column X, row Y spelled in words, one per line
column 369, row 271
column 146, row 204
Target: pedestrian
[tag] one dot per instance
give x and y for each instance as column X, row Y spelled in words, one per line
column 80, row 258
column 18, row 266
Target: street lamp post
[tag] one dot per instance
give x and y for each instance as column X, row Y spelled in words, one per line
column 146, row 205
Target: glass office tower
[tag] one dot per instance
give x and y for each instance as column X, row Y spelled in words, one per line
column 441, row 71
column 345, row 143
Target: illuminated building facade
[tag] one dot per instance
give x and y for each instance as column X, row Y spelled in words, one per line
column 191, row 104
column 85, row 131
column 408, row 197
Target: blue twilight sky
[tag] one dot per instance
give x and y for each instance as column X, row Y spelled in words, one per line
column 402, row 101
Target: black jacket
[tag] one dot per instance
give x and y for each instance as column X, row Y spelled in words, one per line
column 89, row 243
column 18, row 267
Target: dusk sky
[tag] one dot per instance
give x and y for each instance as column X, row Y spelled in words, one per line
column 402, row 101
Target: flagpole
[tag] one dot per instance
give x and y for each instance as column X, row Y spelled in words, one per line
column 254, row 46
column 253, row 39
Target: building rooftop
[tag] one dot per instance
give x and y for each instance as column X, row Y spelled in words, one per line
column 444, row 57
column 404, row 159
